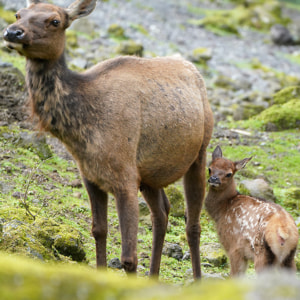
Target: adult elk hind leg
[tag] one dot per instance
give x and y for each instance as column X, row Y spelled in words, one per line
column 194, row 186
column 160, row 207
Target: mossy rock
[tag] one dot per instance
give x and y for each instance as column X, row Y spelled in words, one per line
column 176, row 200
column 247, row 110
column 130, row 47
column 287, row 94
column 285, row 116
column 43, row 239
column 116, row 30
column 214, row 254
column 260, row 16
column 35, row 142
column 18, row 237
column 200, row 55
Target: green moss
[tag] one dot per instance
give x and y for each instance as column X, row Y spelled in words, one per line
column 285, row 116
column 219, row 24
column 15, row 59
column 116, row 31
column 287, row 94
column 7, row 15
column 297, row 260
column 130, row 48
column 295, row 57
column 176, row 200
column 260, row 15
column 72, row 40
column 284, row 79
column 140, row 28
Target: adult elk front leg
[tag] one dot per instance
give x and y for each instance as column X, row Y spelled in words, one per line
column 98, row 200
column 128, row 212
column 160, row 207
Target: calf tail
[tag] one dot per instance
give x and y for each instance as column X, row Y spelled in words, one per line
column 282, row 236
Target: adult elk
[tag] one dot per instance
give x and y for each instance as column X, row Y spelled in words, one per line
column 129, row 122
column 248, row 228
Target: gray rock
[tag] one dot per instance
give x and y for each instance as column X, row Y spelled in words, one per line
column 143, row 207
column 257, row 188
column 115, row 263
column 79, row 62
column 76, row 183
column 13, row 5
column 173, row 250
column 280, row 35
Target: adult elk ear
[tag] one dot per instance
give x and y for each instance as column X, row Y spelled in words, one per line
column 217, row 153
column 29, row 2
column 241, row 163
column 79, row 9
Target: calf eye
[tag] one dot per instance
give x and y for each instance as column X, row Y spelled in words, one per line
column 17, row 16
column 55, row 23
column 228, row 175
column 209, row 171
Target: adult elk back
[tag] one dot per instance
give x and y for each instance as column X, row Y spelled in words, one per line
column 129, row 122
column 249, row 228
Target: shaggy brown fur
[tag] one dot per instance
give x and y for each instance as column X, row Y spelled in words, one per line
column 128, row 122
column 249, row 228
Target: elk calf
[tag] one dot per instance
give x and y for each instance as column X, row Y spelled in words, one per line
column 129, row 122
column 249, row 228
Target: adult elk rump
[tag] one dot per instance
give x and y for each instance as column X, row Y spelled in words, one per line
column 129, row 122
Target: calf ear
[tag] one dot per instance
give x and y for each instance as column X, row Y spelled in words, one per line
column 217, row 153
column 241, row 163
column 80, row 8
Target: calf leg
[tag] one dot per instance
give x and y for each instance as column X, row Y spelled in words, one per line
column 128, row 212
column 98, row 200
column 160, row 207
column 194, row 186
column 264, row 258
column 289, row 261
column 238, row 263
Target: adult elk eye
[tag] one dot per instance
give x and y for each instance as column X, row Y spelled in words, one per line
column 55, row 23
column 228, row 175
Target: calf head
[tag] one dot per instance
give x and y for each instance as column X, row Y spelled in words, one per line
column 222, row 170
